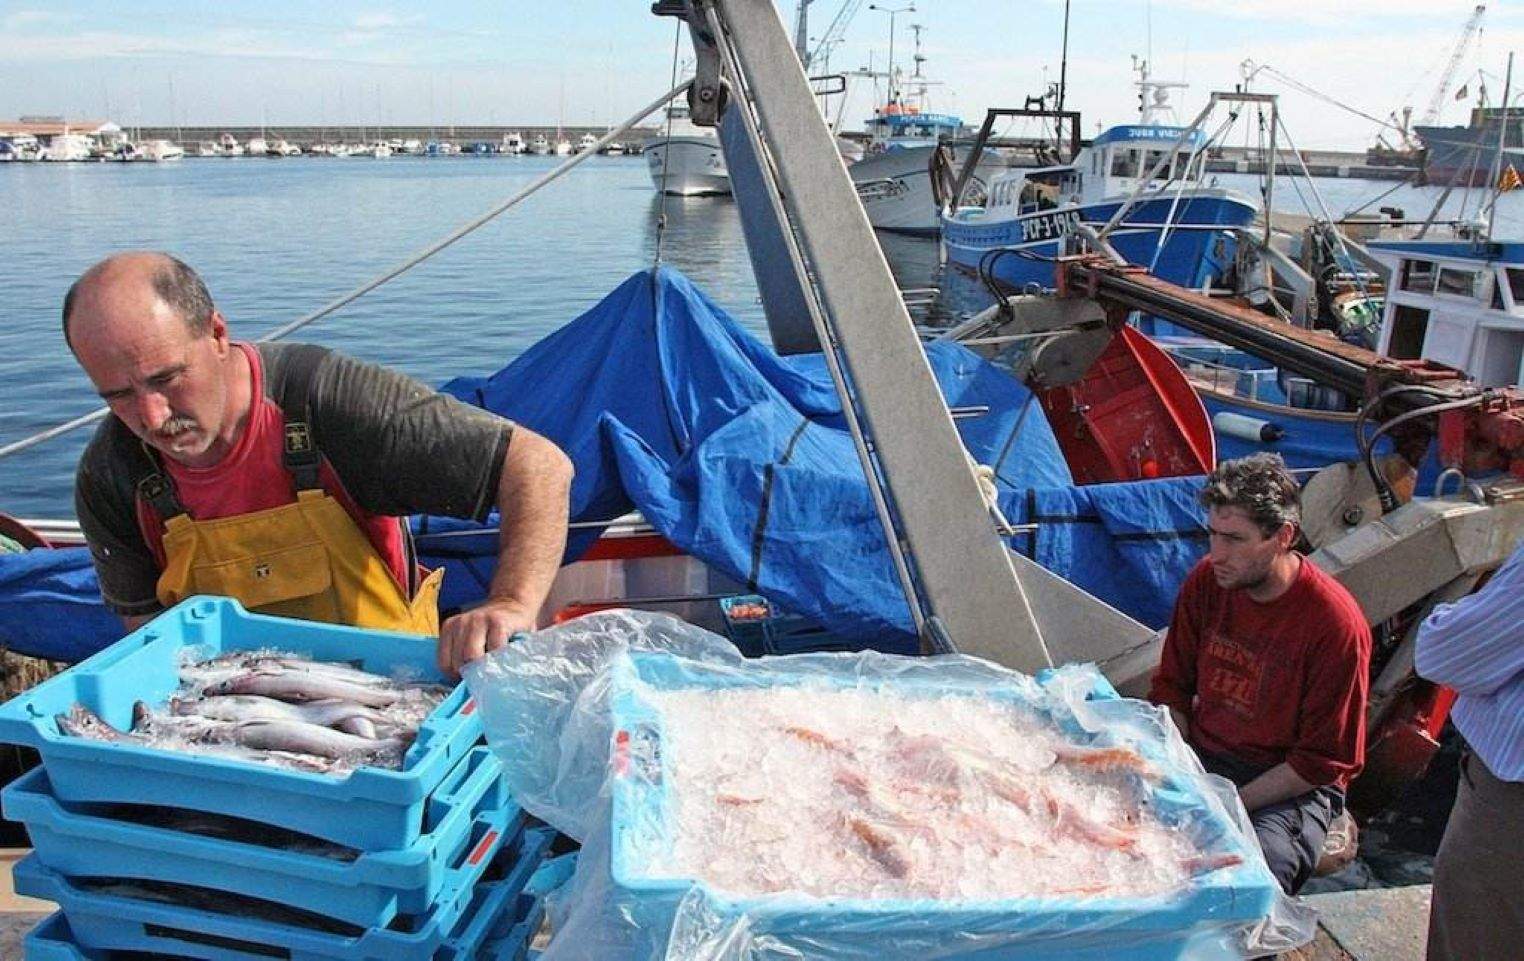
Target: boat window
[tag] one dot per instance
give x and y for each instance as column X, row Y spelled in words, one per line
column 1418, row 276
column 1502, row 358
column 1497, row 296
column 1040, row 191
column 1151, row 159
column 1409, row 327
column 1516, row 284
column 1124, row 163
column 1462, row 283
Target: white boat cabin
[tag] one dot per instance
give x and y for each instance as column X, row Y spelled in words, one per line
column 1111, row 166
column 1457, row 303
column 894, row 127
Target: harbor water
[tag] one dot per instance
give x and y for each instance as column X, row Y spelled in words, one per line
column 276, row 239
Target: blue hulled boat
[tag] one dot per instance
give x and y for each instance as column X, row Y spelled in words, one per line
column 1179, row 228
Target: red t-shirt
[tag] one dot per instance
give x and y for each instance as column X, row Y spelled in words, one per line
column 253, row 477
column 1266, row 683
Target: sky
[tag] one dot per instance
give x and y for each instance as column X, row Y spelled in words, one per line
column 594, row 62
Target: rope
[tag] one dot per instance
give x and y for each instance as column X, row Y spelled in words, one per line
column 1304, row 88
column 666, row 158
column 1406, row 182
column 365, row 288
column 1318, row 196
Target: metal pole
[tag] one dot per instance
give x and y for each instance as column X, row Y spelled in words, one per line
column 1270, row 178
column 1063, row 64
column 751, row 124
column 1497, row 163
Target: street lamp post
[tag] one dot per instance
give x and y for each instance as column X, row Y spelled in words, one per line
column 892, row 11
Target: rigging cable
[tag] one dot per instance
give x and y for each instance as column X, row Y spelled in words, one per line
column 1338, row 234
column 413, row 261
column 666, row 157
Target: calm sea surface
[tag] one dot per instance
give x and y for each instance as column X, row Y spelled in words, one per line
column 276, row 239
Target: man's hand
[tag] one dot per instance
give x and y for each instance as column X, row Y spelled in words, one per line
column 470, row 634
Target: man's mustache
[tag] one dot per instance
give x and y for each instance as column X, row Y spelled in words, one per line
column 175, row 425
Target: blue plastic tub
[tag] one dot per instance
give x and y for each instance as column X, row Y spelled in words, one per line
column 52, row 940
column 514, row 946
column 776, row 632
column 464, row 920
column 1082, row 929
column 470, row 806
column 370, row 809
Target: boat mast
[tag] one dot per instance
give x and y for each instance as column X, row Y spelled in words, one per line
column 1063, row 63
column 1497, row 160
column 802, row 34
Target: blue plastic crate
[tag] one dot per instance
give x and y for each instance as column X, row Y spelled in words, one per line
column 470, row 807
column 52, row 940
column 370, row 809
column 1082, row 929
column 514, row 946
column 776, row 632
column 467, row 915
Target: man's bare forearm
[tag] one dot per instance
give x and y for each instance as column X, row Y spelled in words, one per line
column 1280, row 783
column 533, row 503
column 532, row 499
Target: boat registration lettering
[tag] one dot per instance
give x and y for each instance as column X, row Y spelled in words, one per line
column 1049, row 226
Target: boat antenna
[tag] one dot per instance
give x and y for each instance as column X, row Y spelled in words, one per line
column 1063, row 63
column 1497, row 160
column 666, row 158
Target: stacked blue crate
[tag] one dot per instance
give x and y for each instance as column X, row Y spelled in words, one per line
column 433, row 859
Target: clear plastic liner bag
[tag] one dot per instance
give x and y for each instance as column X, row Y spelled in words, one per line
column 865, row 806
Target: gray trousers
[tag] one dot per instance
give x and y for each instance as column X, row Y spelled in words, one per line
column 1478, row 908
column 1290, row 832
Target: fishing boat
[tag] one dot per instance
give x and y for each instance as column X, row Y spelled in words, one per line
column 513, row 143
column 1463, row 155
column 23, row 147
column 229, row 146
column 1176, row 225
column 159, row 151
column 1459, row 303
column 893, row 173
column 540, row 145
column 67, row 147
column 586, row 142
column 686, row 161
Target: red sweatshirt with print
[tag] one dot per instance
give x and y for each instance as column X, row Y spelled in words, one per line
column 1266, row 683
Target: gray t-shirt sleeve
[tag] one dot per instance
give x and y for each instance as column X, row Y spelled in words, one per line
column 103, row 501
column 401, row 447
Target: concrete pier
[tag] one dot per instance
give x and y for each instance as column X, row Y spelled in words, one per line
column 1320, row 163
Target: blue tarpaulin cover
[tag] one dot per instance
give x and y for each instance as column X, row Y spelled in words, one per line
column 668, row 406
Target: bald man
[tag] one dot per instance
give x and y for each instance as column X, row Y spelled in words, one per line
column 281, row 474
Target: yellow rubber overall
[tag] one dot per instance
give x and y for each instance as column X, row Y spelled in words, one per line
column 306, row 560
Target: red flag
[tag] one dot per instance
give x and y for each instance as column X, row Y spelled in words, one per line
column 1510, row 180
